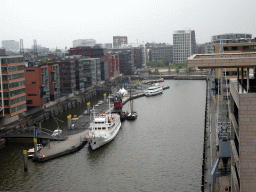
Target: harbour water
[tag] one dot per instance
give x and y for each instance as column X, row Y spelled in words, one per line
column 160, row 151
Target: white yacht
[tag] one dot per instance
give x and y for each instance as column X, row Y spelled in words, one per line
column 154, row 90
column 103, row 129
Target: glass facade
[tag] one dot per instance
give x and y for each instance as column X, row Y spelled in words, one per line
column 13, row 96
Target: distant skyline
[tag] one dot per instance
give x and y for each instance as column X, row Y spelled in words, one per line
column 58, row 23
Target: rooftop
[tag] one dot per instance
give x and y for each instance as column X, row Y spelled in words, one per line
column 222, row 60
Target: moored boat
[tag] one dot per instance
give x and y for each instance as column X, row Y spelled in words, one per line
column 103, row 129
column 133, row 114
column 154, row 90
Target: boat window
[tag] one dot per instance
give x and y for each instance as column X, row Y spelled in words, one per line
column 103, row 128
column 99, row 128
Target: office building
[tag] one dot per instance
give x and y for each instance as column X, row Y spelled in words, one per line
column 164, row 54
column 184, row 45
column 13, row 96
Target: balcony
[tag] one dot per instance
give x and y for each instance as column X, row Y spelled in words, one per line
column 235, row 155
column 234, row 180
column 234, row 123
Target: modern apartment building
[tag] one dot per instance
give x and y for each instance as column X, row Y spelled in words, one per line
column 84, row 43
column 162, row 53
column 184, row 45
column 231, row 38
column 13, row 96
column 113, row 65
column 126, row 60
column 91, row 74
column 118, row 41
column 37, row 84
column 54, row 81
column 67, row 76
column 11, row 45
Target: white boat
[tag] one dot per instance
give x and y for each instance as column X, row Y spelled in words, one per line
column 100, row 102
column 154, row 90
column 56, row 132
column 103, row 129
column 32, row 151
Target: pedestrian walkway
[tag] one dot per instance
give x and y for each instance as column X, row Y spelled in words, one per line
column 56, row 149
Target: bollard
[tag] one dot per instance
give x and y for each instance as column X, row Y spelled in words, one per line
column 105, row 97
column 25, row 155
column 88, row 108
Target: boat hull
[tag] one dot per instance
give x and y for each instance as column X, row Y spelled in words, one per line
column 154, row 93
column 97, row 142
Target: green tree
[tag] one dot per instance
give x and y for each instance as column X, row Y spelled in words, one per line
column 156, row 71
column 188, row 70
column 160, row 63
column 177, row 69
column 169, row 69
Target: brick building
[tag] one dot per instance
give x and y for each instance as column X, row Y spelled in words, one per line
column 37, row 84
column 113, row 65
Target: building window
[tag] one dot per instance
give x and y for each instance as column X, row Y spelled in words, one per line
column 225, row 48
column 29, row 102
column 30, row 70
column 234, row 48
column 32, row 94
column 33, row 82
column 245, row 47
column 253, row 47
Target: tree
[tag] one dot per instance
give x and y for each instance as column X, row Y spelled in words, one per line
column 160, row 63
column 156, row 71
column 177, row 69
column 189, row 69
column 169, row 69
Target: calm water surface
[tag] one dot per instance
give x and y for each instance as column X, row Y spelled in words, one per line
column 160, row 151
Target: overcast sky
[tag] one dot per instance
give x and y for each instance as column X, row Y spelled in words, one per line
column 57, row 23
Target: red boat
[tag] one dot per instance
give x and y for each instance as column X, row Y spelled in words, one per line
column 160, row 80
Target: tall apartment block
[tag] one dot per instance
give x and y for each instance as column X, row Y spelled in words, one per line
column 67, row 76
column 184, row 45
column 162, row 53
column 54, row 81
column 13, row 96
column 118, row 41
column 90, row 75
column 10, row 45
column 84, row 43
column 37, row 84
